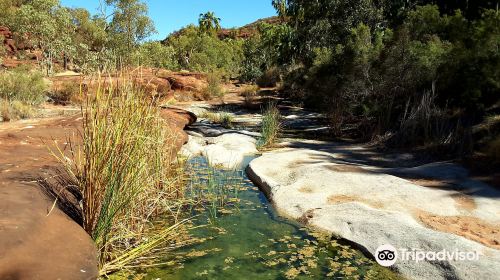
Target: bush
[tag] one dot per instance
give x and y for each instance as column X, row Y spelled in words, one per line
column 15, row 110
column 199, row 51
column 270, row 78
column 23, row 86
column 249, row 93
column 223, row 118
column 214, row 88
column 124, row 174
column 493, row 149
column 65, row 94
column 155, row 54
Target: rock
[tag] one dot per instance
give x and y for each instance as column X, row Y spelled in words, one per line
column 227, row 151
column 370, row 208
column 176, row 121
column 186, row 81
column 8, row 42
column 194, row 147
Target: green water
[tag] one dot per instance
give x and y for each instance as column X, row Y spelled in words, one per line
column 253, row 242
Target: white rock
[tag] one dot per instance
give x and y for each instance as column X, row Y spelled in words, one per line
column 227, row 150
column 371, row 208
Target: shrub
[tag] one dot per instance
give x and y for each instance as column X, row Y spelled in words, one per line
column 270, row 78
column 26, row 87
column 20, row 110
column 4, row 111
column 493, row 149
column 14, row 110
column 223, row 118
column 214, row 88
column 271, row 126
column 65, row 93
column 249, row 93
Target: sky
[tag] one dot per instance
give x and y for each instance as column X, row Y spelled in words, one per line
column 171, row 15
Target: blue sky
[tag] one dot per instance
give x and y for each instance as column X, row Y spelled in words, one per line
column 170, row 15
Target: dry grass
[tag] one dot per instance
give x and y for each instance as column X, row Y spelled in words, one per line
column 223, row 118
column 250, row 95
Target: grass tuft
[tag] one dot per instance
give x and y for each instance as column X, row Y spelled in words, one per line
column 223, row 118
column 271, row 126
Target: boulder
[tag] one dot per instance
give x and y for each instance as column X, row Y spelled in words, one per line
column 227, row 151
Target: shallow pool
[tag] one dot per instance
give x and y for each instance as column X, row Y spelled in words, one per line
column 251, row 241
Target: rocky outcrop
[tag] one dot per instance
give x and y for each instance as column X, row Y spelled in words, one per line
column 180, row 81
column 8, row 40
column 369, row 207
column 176, row 120
column 36, row 240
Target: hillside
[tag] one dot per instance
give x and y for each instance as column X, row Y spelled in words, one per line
column 247, row 30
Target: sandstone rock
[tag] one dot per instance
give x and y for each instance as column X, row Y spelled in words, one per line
column 176, row 120
column 370, row 208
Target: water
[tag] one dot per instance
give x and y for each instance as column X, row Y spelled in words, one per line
column 253, row 242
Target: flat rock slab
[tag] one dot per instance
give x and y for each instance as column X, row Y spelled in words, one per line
column 371, row 208
column 35, row 242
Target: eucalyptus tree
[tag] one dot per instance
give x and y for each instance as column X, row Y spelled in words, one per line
column 46, row 26
column 130, row 25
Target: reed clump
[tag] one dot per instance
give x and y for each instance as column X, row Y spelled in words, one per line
column 271, row 126
column 124, row 172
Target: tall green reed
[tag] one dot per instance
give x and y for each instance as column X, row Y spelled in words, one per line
column 271, row 126
column 123, row 169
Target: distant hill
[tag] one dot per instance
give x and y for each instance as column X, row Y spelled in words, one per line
column 243, row 32
column 248, row 30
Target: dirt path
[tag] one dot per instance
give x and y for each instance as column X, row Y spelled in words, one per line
column 33, row 243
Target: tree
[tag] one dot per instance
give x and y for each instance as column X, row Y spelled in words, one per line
column 280, row 6
column 46, row 25
column 199, row 51
column 130, row 24
column 209, row 22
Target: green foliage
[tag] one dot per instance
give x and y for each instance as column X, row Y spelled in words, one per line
column 19, row 85
column 270, row 47
column 214, row 88
column 199, row 51
column 209, row 23
column 155, row 54
column 130, row 25
column 45, row 25
column 271, row 126
column 349, row 63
